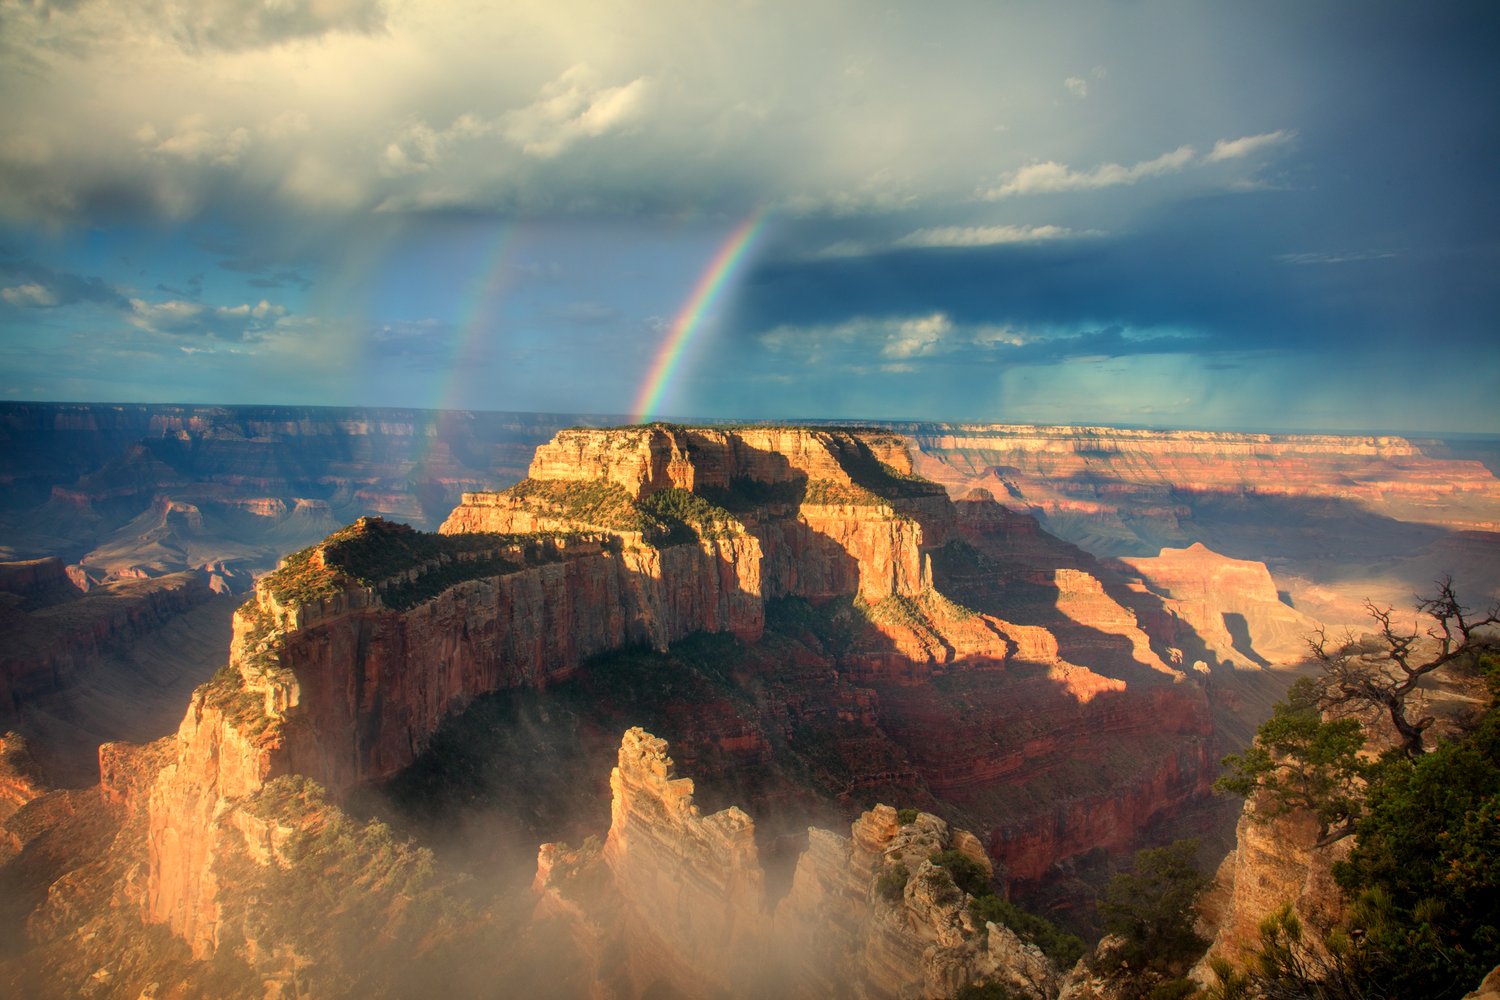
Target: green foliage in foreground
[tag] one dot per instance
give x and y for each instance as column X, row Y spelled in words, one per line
column 1423, row 879
column 891, row 885
column 1062, row 948
column 968, row 874
column 1303, row 763
column 1151, row 908
column 1425, row 868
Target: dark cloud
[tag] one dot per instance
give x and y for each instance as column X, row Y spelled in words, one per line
column 191, row 289
column 282, row 279
column 45, row 286
column 1214, row 268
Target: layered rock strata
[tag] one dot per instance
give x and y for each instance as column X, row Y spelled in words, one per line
column 349, row 656
column 1230, row 604
column 1097, row 470
column 48, row 646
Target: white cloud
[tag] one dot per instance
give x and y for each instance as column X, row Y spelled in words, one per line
column 983, row 236
column 572, row 107
column 1233, row 149
column 30, row 295
column 182, row 318
column 193, row 141
column 1050, row 177
column 154, row 108
column 918, row 336
column 957, row 236
column 1328, row 257
column 1001, row 336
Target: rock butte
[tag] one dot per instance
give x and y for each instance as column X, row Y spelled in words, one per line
column 689, row 909
column 345, row 661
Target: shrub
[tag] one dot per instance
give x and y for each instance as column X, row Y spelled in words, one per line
column 968, row 874
column 1062, row 948
column 891, row 885
column 1151, row 907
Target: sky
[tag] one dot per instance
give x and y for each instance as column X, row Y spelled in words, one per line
column 1270, row 216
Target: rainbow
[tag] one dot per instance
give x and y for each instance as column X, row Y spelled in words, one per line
column 474, row 327
column 690, row 317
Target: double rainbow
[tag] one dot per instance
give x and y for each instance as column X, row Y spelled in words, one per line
column 690, row 318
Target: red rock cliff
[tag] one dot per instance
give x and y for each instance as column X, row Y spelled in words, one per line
column 349, row 657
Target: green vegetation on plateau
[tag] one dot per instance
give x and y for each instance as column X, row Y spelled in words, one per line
column 831, row 493
column 686, row 515
column 373, row 552
column 671, row 516
column 597, row 502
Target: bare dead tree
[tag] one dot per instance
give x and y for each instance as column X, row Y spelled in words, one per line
column 1387, row 680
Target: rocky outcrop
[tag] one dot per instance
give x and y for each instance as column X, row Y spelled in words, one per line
column 1274, row 863
column 20, row 781
column 684, row 895
column 36, row 583
column 692, row 887
column 647, row 459
column 1230, row 604
column 816, row 541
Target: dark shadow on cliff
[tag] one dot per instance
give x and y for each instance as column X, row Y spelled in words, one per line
column 1239, row 634
column 770, row 727
column 1003, row 563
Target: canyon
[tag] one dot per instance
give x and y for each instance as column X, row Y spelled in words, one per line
column 1337, row 519
column 827, row 625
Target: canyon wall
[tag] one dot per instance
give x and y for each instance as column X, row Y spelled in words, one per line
column 1230, row 604
column 48, row 646
column 1048, row 715
column 345, row 689
column 1104, row 469
column 1337, row 519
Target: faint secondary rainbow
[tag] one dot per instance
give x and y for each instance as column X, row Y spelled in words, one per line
column 461, row 372
column 690, row 317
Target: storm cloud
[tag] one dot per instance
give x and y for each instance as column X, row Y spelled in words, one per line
column 1232, row 198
